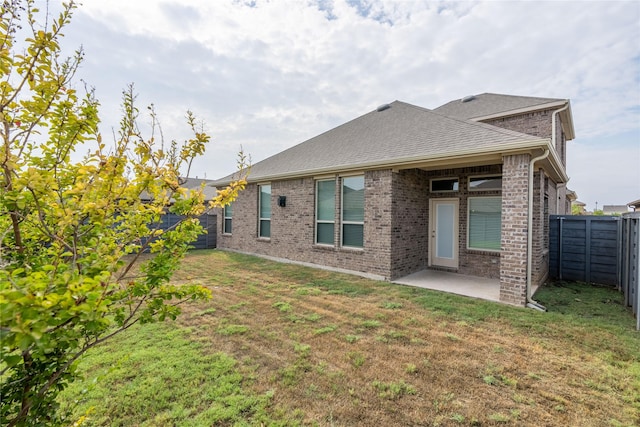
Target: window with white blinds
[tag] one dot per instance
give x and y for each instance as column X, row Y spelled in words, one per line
column 353, row 211
column 325, row 211
column 484, row 225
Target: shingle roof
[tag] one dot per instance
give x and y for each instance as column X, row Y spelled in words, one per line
column 396, row 135
column 488, row 104
column 195, row 183
column 209, row 191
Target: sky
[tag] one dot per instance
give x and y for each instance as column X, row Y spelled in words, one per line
column 267, row 75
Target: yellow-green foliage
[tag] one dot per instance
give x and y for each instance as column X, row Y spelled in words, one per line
column 71, row 232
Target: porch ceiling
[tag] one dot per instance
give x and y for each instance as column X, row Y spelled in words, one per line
column 551, row 164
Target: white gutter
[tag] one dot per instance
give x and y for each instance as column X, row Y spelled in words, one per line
column 530, row 302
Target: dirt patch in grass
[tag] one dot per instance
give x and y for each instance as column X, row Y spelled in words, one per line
column 341, row 350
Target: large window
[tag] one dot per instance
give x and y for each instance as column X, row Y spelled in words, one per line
column 325, row 211
column 353, row 211
column 264, row 222
column 484, row 223
column 228, row 214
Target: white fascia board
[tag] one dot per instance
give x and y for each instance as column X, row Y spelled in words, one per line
column 567, row 116
column 556, row 164
column 567, row 123
column 516, row 112
column 494, row 152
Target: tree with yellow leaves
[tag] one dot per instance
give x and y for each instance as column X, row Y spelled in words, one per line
column 72, row 232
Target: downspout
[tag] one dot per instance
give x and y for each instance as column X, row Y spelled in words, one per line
column 530, row 302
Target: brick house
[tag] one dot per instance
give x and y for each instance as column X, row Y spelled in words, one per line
column 404, row 188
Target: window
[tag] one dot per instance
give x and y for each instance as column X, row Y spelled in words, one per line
column 228, row 214
column 264, row 202
column 445, row 184
column 484, row 223
column 485, row 183
column 325, row 211
column 353, row 211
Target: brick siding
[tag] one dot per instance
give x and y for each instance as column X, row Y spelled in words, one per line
column 410, row 208
column 513, row 260
column 537, row 123
column 395, row 232
column 293, row 226
column 471, row 261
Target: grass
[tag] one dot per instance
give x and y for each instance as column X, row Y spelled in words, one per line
column 156, row 376
column 281, row 344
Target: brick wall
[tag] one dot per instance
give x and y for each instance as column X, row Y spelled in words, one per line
column 540, row 252
column 513, row 260
column 396, row 225
column 471, row 262
column 293, row 226
column 537, row 123
column 378, row 222
column 410, row 219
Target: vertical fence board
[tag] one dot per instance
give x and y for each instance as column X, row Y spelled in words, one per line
column 584, row 248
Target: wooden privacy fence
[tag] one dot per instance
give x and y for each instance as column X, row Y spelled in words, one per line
column 584, row 248
column 597, row 249
column 206, row 240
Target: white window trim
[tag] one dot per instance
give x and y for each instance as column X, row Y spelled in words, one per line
column 260, row 219
column 343, row 222
column 469, row 226
column 318, row 221
column 224, row 220
column 444, row 179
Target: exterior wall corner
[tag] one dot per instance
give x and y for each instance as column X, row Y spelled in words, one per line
column 513, row 258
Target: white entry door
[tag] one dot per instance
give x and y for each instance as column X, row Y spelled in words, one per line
column 443, row 232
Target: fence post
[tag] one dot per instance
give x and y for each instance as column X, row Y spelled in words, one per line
column 631, row 263
column 560, row 248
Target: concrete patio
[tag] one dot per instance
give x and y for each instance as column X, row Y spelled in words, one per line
column 471, row 286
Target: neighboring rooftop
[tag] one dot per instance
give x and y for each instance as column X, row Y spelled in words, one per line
column 635, row 205
column 209, row 191
column 614, row 209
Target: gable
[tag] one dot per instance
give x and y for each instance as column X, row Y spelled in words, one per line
column 488, row 106
column 491, row 104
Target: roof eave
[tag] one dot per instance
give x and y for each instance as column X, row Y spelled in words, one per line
column 458, row 158
column 518, row 111
column 567, row 122
column 554, row 165
column 566, row 116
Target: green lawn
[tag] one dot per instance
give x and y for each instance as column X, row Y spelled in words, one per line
column 281, row 344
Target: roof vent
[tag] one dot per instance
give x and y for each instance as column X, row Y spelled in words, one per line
column 468, row 98
column 383, row 107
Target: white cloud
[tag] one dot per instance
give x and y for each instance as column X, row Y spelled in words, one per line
column 270, row 74
column 605, row 171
